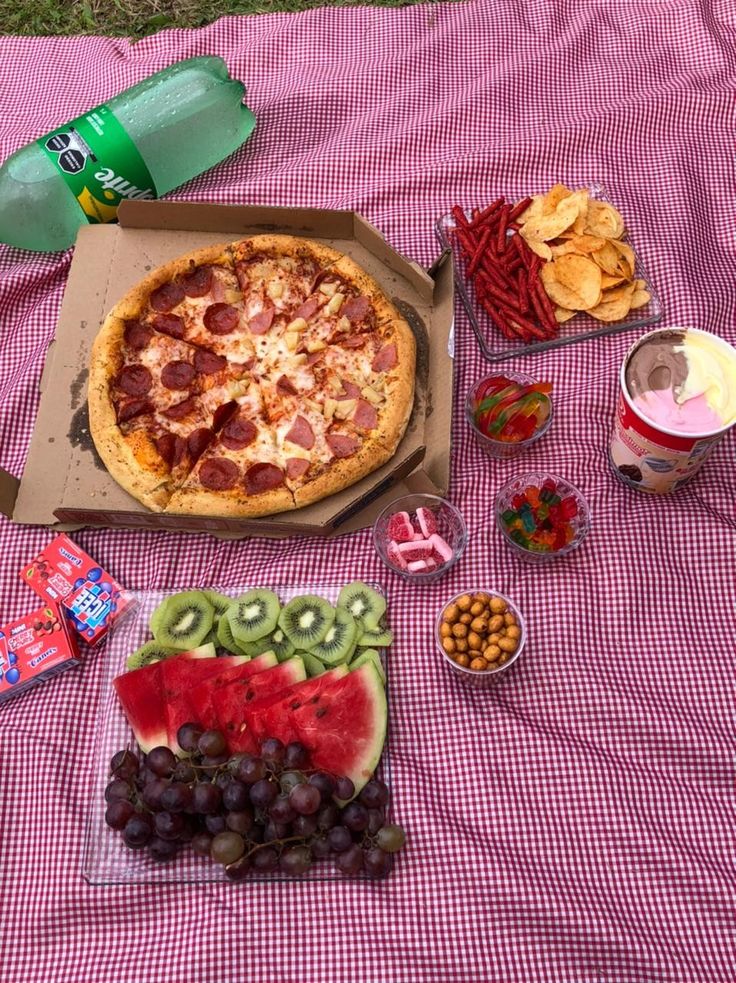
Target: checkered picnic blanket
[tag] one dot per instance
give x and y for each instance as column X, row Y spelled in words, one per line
column 574, row 824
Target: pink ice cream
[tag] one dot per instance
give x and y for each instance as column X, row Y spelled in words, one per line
column 692, row 416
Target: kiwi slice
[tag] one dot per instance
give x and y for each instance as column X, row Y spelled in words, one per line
column 305, row 620
column 253, row 615
column 256, row 648
column 225, row 638
column 369, row 655
column 148, row 653
column 281, row 645
column 363, row 603
column 337, row 644
column 376, row 638
column 219, row 603
column 312, row 664
column 155, row 620
column 185, row 621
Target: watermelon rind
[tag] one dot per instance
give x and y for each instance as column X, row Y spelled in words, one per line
column 372, row 656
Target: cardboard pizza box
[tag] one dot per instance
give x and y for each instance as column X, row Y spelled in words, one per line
column 65, row 484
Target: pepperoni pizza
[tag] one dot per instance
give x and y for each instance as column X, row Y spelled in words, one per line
column 250, row 378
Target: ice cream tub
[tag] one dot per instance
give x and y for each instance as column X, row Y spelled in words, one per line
column 677, row 400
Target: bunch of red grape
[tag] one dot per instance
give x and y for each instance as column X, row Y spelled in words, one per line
column 260, row 814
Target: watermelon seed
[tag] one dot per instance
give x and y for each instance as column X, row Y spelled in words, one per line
column 321, row 712
column 295, row 705
column 315, row 699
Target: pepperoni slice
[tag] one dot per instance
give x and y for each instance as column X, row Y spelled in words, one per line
column 208, row 363
column 262, row 322
column 135, row 380
column 296, row 467
column 223, row 413
column 349, row 390
column 219, row 474
column 137, row 335
column 262, row 478
column 178, row 375
column 386, row 359
column 365, row 415
column 308, row 308
column 221, row 318
column 170, row 324
column 238, row 433
column 355, row 308
column 171, row 448
column 285, row 386
column 166, row 297
column 301, row 434
column 199, row 440
column 352, row 341
column 342, row 445
column 179, row 410
column 197, row 283
column 130, row 408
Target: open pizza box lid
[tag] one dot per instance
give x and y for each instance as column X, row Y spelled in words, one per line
column 65, row 484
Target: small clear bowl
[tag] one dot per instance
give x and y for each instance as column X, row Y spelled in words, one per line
column 580, row 522
column 504, row 448
column 450, row 526
column 484, row 678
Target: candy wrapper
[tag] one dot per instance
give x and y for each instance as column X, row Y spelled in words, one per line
column 90, row 598
column 35, row 648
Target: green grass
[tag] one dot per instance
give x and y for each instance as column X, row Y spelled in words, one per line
column 136, row 18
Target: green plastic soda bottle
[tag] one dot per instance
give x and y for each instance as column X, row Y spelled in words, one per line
column 140, row 144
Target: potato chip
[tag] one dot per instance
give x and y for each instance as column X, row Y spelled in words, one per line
column 581, row 275
column 562, row 314
column 540, row 248
column 607, row 258
column 561, row 295
column 604, row 220
column 553, row 197
column 639, row 298
column 550, row 226
column 627, row 260
column 611, row 281
column 615, row 304
column 534, row 210
column 587, row 244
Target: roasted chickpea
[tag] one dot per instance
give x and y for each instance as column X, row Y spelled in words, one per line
column 465, row 618
column 494, row 638
column 513, row 631
column 497, row 605
column 474, row 653
column 508, row 644
column 448, row 644
column 480, row 665
column 464, row 602
column 479, row 624
column 491, row 653
column 496, row 623
column 476, row 608
column 461, row 645
column 474, row 640
column 459, row 630
column 462, row 660
column 509, row 618
column 483, row 598
column 445, row 630
column 452, row 613
column 503, row 658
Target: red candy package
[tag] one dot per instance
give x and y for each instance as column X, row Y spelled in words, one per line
column 90, row 597
column 33, row 649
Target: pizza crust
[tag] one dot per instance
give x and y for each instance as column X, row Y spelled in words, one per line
column 137, row 467
column 229, row 504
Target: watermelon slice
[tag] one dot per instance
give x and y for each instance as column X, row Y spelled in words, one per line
column 140, row 692
column 229, row 702
column 343, row 725
column 200, row 696
column 178, row 676
column 267, row 716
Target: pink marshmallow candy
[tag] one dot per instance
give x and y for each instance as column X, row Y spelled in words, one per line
column 400, row 528
column 426, row 522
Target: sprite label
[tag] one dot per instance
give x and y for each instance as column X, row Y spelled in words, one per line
column 99, row 162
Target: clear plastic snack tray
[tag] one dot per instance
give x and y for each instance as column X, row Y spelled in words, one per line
column 496, row 348
column 106, row 859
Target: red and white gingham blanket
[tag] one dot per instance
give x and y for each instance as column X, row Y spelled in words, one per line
column 576, row 824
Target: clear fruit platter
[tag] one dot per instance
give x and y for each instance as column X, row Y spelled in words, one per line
column 106, row 857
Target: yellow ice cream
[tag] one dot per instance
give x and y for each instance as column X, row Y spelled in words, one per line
column 711, row 373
